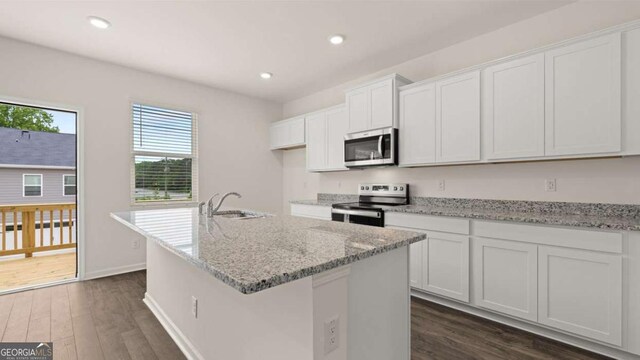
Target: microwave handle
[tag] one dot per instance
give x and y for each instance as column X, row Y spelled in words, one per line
column 380, row 145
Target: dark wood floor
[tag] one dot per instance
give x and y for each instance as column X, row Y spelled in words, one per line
column 438, row 332
column 96, row 319
column 106, row 319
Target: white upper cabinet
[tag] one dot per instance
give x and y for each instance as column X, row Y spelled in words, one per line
column 417, row 125
column 358, row 110
column 316, row 141
column 513, row 108
column 382, row 100
column 458, row 118
column 325, row 139
column 373, row 105
column 288, row 133
column 582, row 90
column 336, row 130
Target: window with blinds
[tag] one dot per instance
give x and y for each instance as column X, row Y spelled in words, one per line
column 164, row 163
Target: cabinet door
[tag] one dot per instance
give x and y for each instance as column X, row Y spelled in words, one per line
column 316, row 142
column 278, row 134
column 506, row 277
column 582, row 90
column 381, row 104
column 458, row 118
column 358, row 109
column 336, row 129
column 415, row 265
column 513, row 96
column 296, row 132
column 581, row 292
column 417, row 125
column 445, row 265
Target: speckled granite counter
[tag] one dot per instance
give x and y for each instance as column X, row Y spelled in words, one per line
column 590, row 215
column 324, row 199
column 256, row 254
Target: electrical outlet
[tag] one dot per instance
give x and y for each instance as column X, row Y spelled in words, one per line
column 194, row 306
column 331, row 334
column 550, row 185
column 135, row 244
column 440, row 185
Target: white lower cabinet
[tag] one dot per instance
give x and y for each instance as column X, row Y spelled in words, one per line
column 506, row 277
column 562, row 280
column 440, row 263
column 445, row 265
column 311, row 211
column 581, row 292
column 415, row 265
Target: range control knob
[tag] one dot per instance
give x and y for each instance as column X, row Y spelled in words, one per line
column 401, row 188
column 395, row 188
column 361, row 187
column 367, row 188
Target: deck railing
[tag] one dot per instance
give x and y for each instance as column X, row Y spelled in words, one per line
column 24, row 228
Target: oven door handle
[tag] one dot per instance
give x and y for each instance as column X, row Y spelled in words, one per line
column 371, row 214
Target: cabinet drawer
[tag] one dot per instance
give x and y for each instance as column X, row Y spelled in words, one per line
column 426, row 222
column 312, row 211
column 556, row 236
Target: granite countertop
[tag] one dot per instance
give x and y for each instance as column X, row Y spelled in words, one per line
column 587, row 215
column 589, row 221
column 316, row 202
column 251, row 255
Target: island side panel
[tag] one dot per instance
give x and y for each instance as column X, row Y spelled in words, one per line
column 379, row 307
column 272, row 324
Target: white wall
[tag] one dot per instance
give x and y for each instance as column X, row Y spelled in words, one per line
column 604, row 180
column 233, row 141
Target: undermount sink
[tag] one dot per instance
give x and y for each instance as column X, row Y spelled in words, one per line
column 239, row 214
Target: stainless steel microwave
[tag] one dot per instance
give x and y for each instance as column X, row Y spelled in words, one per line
column 371, row 148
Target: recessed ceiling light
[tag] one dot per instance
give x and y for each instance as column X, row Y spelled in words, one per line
column 266, row 75
column 336, row 39
column 98, row 22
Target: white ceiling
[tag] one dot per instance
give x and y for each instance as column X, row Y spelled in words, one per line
column 227, row 44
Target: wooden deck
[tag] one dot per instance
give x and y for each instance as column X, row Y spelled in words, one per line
column 36, row 270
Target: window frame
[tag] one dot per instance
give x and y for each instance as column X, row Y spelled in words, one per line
column 193, row 157
column 24, row 193
column 65, row 186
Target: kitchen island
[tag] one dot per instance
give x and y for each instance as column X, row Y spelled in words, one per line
column 276, row 287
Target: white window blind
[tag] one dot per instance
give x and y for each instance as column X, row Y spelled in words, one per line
column 69, row 185
column 164, row 162
column 32, row 184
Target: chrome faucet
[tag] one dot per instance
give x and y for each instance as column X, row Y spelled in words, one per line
column 209, row 205
column 211, row 210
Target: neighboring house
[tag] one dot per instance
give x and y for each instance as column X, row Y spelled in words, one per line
column 37, row 167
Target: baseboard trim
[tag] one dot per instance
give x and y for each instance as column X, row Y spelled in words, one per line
column 178, row 337
column 114, row 271
column 551, row 334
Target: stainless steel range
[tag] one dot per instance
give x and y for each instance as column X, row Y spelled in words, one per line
column 373, row 200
